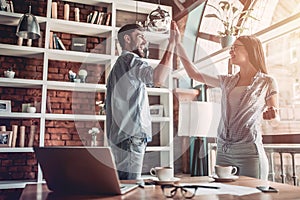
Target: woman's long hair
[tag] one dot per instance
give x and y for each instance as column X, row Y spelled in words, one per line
column 255, row 52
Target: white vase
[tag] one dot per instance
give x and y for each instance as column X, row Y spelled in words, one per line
column 9, row 74
column 94, row 141
column 227, row 40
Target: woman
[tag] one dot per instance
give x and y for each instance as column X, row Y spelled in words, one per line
column 247, row 97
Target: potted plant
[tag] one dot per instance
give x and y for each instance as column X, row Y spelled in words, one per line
column 232, row 19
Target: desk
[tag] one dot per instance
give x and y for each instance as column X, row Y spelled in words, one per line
column 286, row 192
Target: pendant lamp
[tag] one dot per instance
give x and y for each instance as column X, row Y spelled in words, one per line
column 159, row 20
column 28, row 27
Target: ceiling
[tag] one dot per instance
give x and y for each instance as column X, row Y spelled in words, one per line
column 182, row 7
column 179, row 7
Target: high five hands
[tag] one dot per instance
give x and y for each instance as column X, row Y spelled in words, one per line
column 175, row 35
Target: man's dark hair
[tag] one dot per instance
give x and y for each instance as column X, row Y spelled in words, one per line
column 126, row 30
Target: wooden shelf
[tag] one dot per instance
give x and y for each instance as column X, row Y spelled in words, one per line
column 76, row 87
column 16, row 150
column 160, row 119
column 4, row 185
column 99, row 3
column 12, row 19
column 77, row 56
column 21, row 51
column 158, row 148
column 20, row 115
column 20, row 83
column 157, row 91
column 75, row 117
column 87, row 29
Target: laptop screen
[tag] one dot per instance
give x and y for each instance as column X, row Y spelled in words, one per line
column 79, row 170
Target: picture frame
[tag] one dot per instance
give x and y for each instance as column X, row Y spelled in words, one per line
column 25, row 106
column 5, row 138
column 78, row 44
column 156, row 110
column 5, row 106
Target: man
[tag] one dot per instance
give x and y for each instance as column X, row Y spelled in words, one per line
column 127, row 108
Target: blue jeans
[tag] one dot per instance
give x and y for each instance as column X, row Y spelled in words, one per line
column 129, row 156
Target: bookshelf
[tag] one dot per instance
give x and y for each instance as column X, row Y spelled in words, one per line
column 72, row 112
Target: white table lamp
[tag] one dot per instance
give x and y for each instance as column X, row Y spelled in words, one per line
column 198, row 119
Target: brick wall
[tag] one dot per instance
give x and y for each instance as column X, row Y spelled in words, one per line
column 14, row 166
column 72, row 133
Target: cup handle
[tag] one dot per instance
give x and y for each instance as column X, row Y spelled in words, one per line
column 234, row 170
column 153, row 172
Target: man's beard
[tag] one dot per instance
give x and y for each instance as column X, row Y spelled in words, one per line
column 139, row 53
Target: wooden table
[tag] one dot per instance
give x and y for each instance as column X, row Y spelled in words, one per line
column 286, row 192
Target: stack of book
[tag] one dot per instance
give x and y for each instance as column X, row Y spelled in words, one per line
column 55, row 42
column 99, row 17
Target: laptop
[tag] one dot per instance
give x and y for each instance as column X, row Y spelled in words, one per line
column 80, row 170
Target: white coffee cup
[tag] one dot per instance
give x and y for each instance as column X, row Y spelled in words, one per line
column 162, row 173
column 225, row 171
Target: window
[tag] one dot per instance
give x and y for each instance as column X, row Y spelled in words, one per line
column 281, row 43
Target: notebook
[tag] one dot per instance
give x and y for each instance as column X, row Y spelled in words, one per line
column 80, row 170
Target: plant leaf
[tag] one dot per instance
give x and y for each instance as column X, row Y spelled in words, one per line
column 224, row 5
column 213, row 16
column 215, row 8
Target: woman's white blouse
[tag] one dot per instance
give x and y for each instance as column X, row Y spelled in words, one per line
column 241, row 118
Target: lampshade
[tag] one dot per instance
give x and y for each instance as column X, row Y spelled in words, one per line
column 28, row 26
column 159, row 20
column 199, row 119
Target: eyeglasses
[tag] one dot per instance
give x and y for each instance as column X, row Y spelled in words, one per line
column 187, row 191
column 235, row 46
column 171, row 190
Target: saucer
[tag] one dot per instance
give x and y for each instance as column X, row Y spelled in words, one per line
column 173, row 180
column 225, row 179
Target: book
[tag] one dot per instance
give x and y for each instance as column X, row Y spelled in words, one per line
column 100, row 17
column 94, row 17
column 77, row 14
column 55, row 42
column 104, row 19
column 89, row 18
column 60, row 43
column 66, row 11
column 108, row 17
column 54, row 10
column 15, row 135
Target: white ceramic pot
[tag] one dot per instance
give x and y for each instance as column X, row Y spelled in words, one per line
column 9, row 74
column 31, row 109
column 227, row 40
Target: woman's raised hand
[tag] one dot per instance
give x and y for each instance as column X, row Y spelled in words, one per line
column 175, row 33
